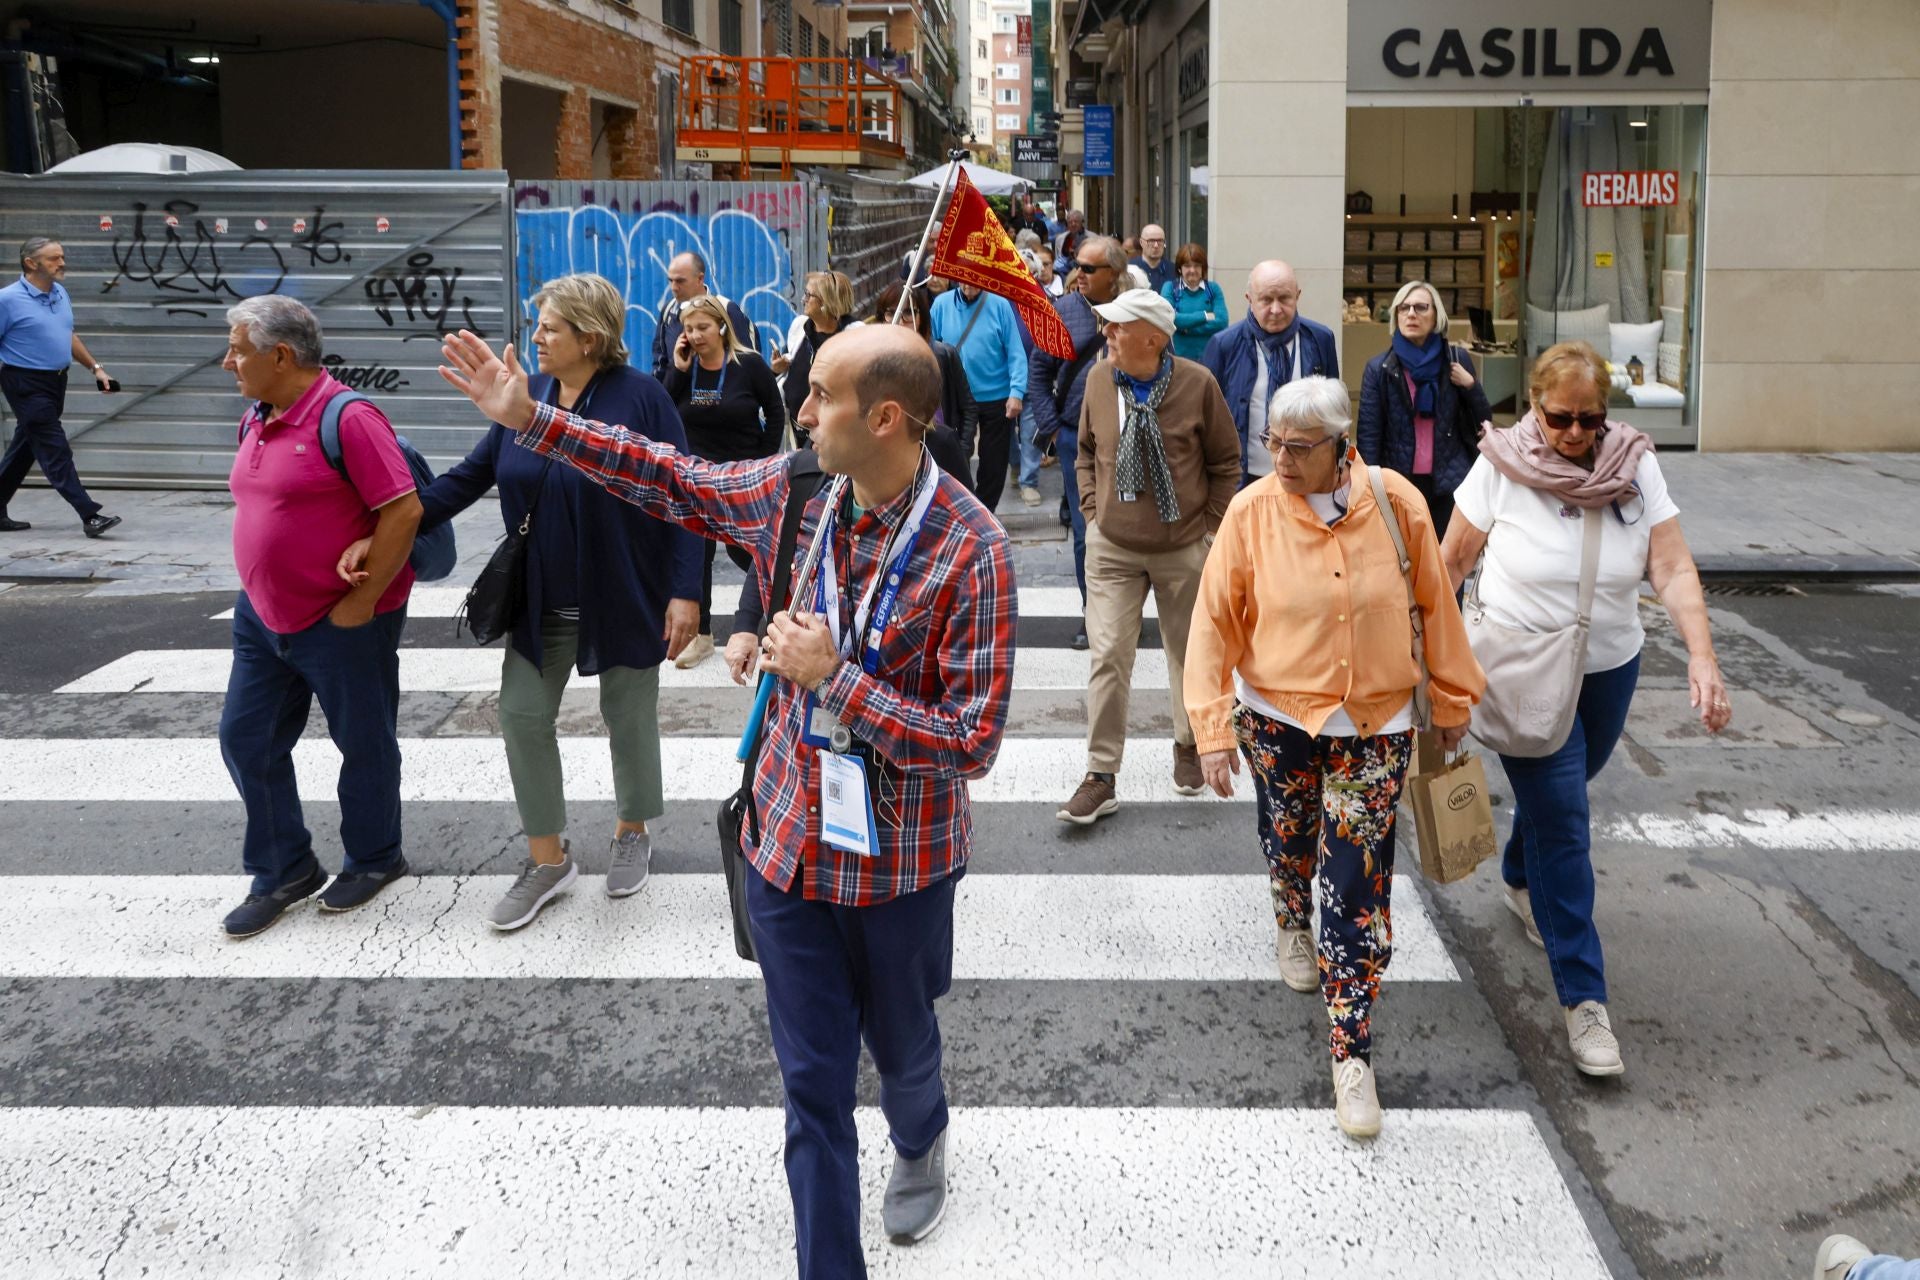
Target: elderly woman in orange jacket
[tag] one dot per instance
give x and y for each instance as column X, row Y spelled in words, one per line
column 1301, row 656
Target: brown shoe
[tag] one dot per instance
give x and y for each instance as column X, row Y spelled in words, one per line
column 1092, row 802
column 1187, row 778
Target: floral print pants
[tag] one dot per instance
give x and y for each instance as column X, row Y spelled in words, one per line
column 1326, row 807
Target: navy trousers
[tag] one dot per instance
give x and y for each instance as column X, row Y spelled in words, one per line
column 355, row 673
column 37, row 398
column 1550, row 851
column 837, row 976
column 1067, row 447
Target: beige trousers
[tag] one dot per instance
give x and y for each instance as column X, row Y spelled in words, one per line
column 1117, row 583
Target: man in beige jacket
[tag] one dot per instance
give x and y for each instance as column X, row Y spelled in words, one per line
column 1159, row 460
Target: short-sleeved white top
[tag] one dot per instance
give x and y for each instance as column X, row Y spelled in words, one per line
column 1531, row 576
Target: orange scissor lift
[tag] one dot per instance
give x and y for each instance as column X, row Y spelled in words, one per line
column 743, row 112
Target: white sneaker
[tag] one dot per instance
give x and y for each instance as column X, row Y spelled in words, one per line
column 1838, row 1255
column 1299, row 963
column 1520, row 902
column 1355, row 1104
column 698, row 650
column 1590, row 1036
column 1029, row 495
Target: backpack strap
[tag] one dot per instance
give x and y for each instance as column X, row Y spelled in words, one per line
column 330, row 429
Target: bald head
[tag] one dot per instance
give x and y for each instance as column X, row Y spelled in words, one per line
column 1273, row 295
column 893, row 363
column 870, row 395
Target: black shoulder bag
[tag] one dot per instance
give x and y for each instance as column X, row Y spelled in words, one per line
column 737, row 812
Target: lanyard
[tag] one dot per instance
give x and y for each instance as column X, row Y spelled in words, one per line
column 696, row 395
column 892, row 567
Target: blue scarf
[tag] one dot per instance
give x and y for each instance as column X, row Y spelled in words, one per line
column 1427, row 365
column 1274, row 345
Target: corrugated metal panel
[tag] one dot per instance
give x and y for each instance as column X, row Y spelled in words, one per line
column 389, row 260
column 759, row 240
column 874, row 225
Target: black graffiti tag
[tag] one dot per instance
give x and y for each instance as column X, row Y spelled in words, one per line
column 193, row 277
column 364, row 377
column 322, row 241
column 426, row 295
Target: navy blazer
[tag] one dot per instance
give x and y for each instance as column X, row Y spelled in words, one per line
column 1231, row 355
column 587, row 548
column 1384, row 430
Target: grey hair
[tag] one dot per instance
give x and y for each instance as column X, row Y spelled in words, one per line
column 1109, row 248
column 272, row 319
column 1031, row 261
column 1433, row 296
column 32, row 247
column 1312, row 404
column 1027, row 239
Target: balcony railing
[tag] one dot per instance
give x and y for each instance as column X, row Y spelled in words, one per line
column 768, row 110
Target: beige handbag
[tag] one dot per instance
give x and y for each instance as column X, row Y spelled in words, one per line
column 1533, row 677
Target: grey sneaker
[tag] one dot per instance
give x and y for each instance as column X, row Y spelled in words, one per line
column 631, row 857
column 916, row 1194
column 538, row 884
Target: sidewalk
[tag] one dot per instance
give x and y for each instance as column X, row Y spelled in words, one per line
column 1763, row 515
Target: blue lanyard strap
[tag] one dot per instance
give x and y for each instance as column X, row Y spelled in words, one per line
column 872, row 617
column 718, row 387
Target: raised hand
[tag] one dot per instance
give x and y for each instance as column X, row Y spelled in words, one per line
column 497, row 385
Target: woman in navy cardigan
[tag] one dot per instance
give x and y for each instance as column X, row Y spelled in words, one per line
column 610, row 592
column 1421, row 405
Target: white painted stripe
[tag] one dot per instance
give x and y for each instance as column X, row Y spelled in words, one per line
column 434, row 769
column 1839, row 830
column 476, row 670
column 384, row 1193
column 1035, row 602
column 1120, row 928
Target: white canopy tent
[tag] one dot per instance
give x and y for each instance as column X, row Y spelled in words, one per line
column 144, row 157
column 991, row 182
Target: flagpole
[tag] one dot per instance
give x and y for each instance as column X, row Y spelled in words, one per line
column 933, row 220
column 802, row 585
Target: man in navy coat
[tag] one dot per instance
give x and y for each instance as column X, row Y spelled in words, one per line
column 1270, row 347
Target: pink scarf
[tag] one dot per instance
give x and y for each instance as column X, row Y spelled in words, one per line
column 1521, row 454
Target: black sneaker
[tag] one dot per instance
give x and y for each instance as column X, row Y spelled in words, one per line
column 97, row 525
column 14, row 526
column 357, row 889
column 1080, row 640
column 260, row 910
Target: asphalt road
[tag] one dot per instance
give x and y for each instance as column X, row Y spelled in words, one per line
column 1757, row 900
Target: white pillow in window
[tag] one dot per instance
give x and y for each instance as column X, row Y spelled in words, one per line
column 1544, row 328
column 1643, row 340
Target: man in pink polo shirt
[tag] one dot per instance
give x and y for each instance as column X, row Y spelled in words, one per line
column 299, row 633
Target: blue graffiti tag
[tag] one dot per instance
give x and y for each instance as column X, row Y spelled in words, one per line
column 747, row 261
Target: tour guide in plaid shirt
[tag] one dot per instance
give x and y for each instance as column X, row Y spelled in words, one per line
column 851, row 947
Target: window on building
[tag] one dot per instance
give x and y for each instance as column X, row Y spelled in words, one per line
column 731, row 39
column 1007, row 97
column 1007, row 124
column 982, row 126
column 826, row 50
column 677, row 14
column 980, row 10
column 1003, row 23
column 780, row 18
column 979, row 84
column 1007, row 71
column 803, row 39
column 980, row 50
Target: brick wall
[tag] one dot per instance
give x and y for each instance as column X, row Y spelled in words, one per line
column 543, row 42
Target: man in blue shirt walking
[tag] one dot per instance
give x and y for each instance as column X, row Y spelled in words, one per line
column 983, row 328
column 37, row 343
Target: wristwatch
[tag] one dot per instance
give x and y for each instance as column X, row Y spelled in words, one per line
column 820, row 685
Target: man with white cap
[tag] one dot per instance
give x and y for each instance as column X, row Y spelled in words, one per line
column 1158, row 461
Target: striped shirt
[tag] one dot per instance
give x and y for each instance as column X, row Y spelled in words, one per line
column 935, row 712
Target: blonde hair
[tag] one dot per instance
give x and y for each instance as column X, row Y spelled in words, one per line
column 594, row 307
column 1433, row 296
column 835, row 290
column 1564, row 361
column 715, row 310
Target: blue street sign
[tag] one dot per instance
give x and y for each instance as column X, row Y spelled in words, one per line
column 1099, row 139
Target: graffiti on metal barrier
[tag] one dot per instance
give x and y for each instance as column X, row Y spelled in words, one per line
column 321, row 240
column 191, row 274
column 364, row 377
column 427, row 297
column 747, row 244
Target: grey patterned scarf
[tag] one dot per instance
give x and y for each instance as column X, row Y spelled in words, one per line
column 1143, row 451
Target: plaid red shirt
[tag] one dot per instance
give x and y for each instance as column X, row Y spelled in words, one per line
column 936, row 711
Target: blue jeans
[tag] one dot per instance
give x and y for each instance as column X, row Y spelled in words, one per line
column 1883, row 1266
column 1067, row 446
column 1550, row 851
column 1029, row 451
column 355, row 673
column 836, row 976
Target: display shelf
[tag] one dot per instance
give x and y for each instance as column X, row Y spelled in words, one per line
column 1435, row 238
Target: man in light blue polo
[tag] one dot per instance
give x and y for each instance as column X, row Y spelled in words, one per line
column 37, row 343
column 983, row 328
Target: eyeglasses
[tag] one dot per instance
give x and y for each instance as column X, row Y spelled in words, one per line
column 1413, row 308
column 1298, row 448
column 1565, row 421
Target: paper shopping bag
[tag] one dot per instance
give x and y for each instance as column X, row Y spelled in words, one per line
column 1453, row 816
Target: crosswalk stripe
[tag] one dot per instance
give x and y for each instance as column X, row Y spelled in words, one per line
column 1035, row 602
column 475, row 670
column 1839, row 830
column 1035, row 1192
column 475, row 769
column 1111, row 928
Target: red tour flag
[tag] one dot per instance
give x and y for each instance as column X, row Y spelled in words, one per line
column 973, row 248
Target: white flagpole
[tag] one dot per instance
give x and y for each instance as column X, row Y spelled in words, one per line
column 933, row 220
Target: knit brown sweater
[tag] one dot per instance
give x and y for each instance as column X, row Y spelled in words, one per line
column 1203, row 452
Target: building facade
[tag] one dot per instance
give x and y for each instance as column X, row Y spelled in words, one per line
column 1012, row 77
column 1720, row 194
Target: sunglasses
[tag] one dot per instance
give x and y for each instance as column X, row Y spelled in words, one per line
column 1565, row 421
column 1091, row 266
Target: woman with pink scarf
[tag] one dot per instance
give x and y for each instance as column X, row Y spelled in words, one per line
column 1524, row 504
